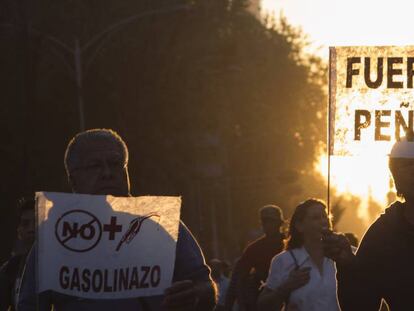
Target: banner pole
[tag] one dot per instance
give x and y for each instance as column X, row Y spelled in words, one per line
column 329, row 184
column 328, row 198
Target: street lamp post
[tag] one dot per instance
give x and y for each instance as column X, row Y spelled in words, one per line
column 80, row 67
column 78, row 71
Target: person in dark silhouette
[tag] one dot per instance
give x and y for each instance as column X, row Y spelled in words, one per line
column 11, row 271
column 383, row 265
column 301, row 277
column 221, row 281
column 252, row 268
column 96, row 162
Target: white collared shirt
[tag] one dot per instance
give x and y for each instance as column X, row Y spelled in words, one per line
column 318, row 294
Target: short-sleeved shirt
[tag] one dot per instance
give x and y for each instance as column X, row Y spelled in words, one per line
column 189, row 265
column 256, row 258
column 222, row 286
column 259, row 253
column 318, row 294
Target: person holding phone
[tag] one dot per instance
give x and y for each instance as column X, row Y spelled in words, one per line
column 382, row 267
column 301, row 277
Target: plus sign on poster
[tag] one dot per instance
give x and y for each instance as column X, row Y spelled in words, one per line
column 95, row 246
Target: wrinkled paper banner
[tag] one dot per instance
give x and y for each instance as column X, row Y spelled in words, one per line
column 371, row 98
column 105, row 247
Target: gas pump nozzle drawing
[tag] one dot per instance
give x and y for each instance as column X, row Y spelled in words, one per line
column 134, row 227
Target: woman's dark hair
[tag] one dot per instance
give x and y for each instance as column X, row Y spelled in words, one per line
column 295, row 238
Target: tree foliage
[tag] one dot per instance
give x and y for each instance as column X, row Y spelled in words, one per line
column 214, row 104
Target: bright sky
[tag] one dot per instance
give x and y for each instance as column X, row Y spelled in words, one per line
column 350, row 22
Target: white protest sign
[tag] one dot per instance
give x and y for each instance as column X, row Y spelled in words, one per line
column 104, row 247
column 371, row 98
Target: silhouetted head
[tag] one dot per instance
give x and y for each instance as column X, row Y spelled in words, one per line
column 96, row 162
column 309, row 220
column 26, row 226
column 271, row 217
column 401, row 164
column 216, row 267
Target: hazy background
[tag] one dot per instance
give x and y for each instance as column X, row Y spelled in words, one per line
column 219, row 101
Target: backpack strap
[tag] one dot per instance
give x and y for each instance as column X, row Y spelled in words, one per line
column 296, row 268
column 294, row 259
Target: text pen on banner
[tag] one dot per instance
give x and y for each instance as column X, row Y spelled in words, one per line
column 134, row 227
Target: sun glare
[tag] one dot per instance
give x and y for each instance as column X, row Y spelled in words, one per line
column 351, row 23
column 366, row 177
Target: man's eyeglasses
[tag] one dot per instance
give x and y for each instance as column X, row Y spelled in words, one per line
column 97, row 165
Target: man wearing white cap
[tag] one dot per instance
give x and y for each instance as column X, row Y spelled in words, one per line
column 383, row 267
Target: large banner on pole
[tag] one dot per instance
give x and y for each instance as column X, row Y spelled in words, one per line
column 104, row 247
column 371, row 98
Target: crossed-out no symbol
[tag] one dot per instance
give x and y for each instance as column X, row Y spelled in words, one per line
column 78, row 230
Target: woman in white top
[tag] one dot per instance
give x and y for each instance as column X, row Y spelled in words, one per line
column 301, row 277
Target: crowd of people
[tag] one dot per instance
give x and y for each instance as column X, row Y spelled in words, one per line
column 307, row 267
